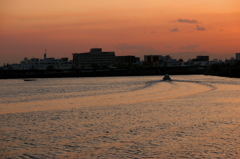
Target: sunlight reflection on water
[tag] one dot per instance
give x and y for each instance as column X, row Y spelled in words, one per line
column 120, row 117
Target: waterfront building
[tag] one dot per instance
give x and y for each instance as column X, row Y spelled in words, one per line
column 237, row 56
column 215, row 61
column 45, row 63
column 155, row 58
column 200, row 61
column 172, row 63
column 14, row 66
column 202, row 58
column 230, row 61
column 94, row 57
column 127, row 59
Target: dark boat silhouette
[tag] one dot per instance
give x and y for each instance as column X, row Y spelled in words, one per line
column 29, row 79
column 166, row 78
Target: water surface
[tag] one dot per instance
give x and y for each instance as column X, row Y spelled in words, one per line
column 120, row 117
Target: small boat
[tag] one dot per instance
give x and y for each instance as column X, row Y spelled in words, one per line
column 166, row 78
column 29, row 79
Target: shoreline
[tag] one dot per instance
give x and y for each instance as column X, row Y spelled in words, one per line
column 14, row 74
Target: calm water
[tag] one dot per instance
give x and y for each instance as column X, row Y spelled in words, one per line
column 120, row 117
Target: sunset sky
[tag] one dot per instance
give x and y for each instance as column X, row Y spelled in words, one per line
column 128, row 27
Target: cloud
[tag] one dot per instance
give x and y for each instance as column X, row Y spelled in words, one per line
column 189, row 47
column 174, row 30
column 125, row 46
column 152, row 32
column 200, row 28
column 187, row 21
column 168, row 46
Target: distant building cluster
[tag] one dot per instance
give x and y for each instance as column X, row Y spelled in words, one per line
column 96, row 58
column 41, row 64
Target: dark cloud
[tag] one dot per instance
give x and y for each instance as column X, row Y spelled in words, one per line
column 125, row 46
column 187, row 21
column 200, row 28
column 174, row 30
column 189, row 47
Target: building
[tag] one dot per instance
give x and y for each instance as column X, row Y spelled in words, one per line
column 172, row 63
column 202, row 58
column 45, row 63
column 200, row 61
column 237, row 56
column 155, row 58
column 94, row 57
column 230, row 61
column 127, row 59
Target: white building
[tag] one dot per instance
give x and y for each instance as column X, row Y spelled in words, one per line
column 43, row 64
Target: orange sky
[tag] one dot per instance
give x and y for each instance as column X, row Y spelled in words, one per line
column 63, row 27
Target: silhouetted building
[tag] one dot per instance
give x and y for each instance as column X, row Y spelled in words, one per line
column 127, row 59
column 64, row 59
column 172, row 62
column 94, row 57
column 200, row 61
column 230, row 61
column 237, row 56
column 34, row 59
column 202, row 58
column 155, row 58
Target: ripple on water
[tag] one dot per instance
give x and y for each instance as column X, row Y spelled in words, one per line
column 161, row 120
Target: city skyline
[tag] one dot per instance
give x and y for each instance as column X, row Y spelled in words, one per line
column 126, row 27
